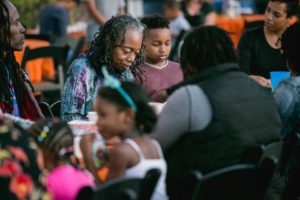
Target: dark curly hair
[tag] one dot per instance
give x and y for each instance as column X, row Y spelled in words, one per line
column 145, row 116
column 205, row 47
column 8, row 62
column 110, row 35
column 290, row 43
column 155, row 21
column 291, row 6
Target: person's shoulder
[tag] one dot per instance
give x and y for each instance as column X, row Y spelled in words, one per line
column 122, row 150
column 80, row 65
column 185, row 91
column 293, row 82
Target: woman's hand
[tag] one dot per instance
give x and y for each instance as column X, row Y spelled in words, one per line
column 261, row 80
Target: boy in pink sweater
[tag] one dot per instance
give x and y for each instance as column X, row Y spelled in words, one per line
column 159, row 72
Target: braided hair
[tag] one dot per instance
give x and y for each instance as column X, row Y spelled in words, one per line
column 205, row 47
column 8, row 63
column 112, row 33
column 54, row 135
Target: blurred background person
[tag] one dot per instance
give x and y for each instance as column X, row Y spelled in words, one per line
column 54, row 18
column 199, row 12
column 178, row 23
column 259, row 48
column 101, row 11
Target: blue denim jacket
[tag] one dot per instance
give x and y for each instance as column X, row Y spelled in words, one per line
column 81, row 87
column 287, row 97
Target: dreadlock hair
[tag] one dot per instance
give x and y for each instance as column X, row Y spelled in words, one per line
column 145, row 117
column 110, row 35
column 8, row 62
column 205, row 47
column 290, row 43
column 292, row 6
column 54, row 135
column 155, row 21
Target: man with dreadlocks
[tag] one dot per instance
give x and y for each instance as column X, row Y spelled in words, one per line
column 15, row 89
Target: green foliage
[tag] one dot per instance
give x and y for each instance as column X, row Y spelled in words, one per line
column 29, row 10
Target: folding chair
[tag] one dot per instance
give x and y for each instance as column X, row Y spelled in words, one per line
column 253, row 24
column 44, row 37
column 128, row 188
column 119, row 189
column 272, row 149
column 58, row 54
column 149, row 183
column 55, row 109
column 252, row 155
column 44, row 106
column 75, row 45
column 85, row 193
column 241, row 181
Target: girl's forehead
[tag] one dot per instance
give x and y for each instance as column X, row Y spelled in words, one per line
column 102, row 103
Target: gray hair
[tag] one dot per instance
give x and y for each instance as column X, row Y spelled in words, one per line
column 111, row 34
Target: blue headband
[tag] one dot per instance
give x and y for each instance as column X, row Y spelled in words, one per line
column 114, row 83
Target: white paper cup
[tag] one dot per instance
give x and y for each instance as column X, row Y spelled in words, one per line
column 157, row 107
column 92, row 116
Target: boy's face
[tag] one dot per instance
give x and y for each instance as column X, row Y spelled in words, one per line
column 157, row 46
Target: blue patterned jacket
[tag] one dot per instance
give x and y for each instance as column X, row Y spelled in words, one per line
column 287, row 96
column 81, row 87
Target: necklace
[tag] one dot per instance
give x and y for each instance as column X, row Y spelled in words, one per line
column 278, row 42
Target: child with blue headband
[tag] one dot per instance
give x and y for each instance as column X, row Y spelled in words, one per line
column 123, row 112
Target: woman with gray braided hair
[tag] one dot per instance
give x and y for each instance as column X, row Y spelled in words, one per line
column 55, row 141
column 118, row 45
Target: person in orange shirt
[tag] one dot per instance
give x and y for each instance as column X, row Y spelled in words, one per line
column 15, row 88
